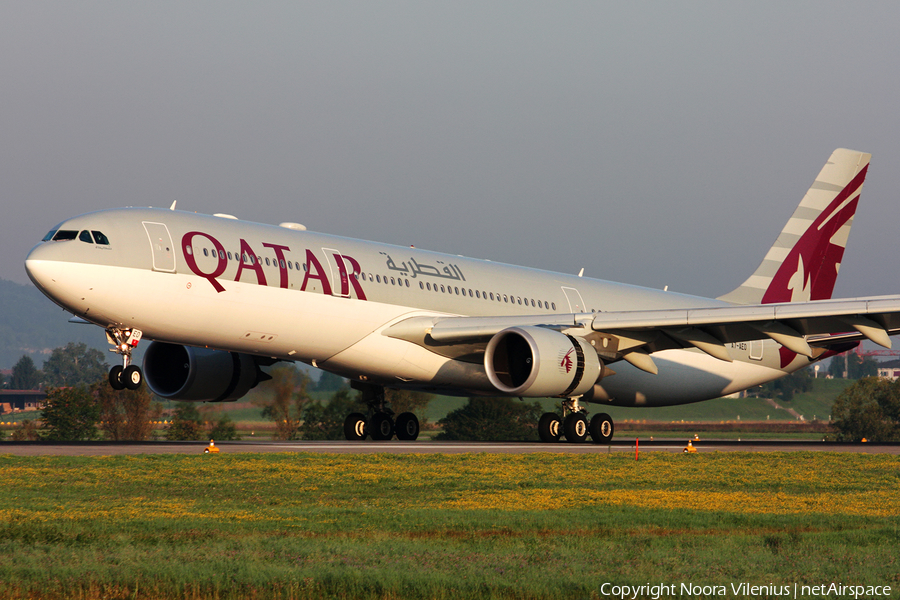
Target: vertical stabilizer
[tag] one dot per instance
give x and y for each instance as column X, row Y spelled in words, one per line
column 803, row 262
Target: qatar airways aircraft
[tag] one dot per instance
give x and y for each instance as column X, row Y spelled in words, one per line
column 220, row 297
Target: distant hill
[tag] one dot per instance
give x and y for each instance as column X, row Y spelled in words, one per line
column 31, row 324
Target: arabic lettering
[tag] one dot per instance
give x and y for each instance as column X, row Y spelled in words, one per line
column 414, row 268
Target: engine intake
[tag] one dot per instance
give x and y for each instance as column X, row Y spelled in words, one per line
column 179, row 372
column 539, row 362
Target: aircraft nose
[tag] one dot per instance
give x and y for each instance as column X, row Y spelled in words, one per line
column 41, row 265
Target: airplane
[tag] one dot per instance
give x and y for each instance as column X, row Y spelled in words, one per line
column 219, row 298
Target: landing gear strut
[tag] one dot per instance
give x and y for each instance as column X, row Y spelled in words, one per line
column 126, row 375
column 574, row 425
column 380, row 423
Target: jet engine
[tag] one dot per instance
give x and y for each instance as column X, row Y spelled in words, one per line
column 199, row 374
column 539, row 362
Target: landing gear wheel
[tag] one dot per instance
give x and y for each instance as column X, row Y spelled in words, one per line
column 407, row 427
column 381, row 427
column 601, row 428
column 355, row 427
column 576, row 428
column 115, row 378
column 132, row 378
column 548, row 427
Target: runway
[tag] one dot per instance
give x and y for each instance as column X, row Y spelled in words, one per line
column 431, row 447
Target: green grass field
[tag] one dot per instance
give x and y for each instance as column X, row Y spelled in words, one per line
column 462, row 526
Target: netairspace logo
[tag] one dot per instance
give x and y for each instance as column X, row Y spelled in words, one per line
column 737, row 590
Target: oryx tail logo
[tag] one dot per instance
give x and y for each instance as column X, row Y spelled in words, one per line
column 810, row 270
column 566, row 364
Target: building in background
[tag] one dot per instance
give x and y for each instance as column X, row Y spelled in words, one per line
column 21, row 400
column 889, row 369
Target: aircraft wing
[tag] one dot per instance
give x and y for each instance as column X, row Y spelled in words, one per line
column 798, row 326
column 806, row 328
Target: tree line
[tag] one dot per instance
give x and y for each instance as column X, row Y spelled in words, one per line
column 92, row 410
column 80, row 405
column 72, row 364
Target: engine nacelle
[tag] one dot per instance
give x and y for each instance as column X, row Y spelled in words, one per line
column 199, row 374
column 539, row 362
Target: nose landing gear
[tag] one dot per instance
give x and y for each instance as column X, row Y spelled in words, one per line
column 126, row 375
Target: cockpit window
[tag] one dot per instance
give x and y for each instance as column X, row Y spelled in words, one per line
column 65, row 234
column 85, row 236
column 100, row 238
column 49, row 235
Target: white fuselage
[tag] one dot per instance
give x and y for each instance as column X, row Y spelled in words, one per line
column 325, row 300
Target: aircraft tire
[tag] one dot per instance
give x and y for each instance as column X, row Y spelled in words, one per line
column 132, row 378
column 355, row 427
column 602, row 428
column 115, row 378
column 549, row 427
column 407, row 426
column 381, row 427
column 576, row 428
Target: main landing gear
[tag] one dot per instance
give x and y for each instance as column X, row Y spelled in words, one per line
column 380, row 423
column 126, row 375
column 575, row 426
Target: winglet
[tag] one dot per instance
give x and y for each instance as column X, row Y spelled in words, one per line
column 803, row 262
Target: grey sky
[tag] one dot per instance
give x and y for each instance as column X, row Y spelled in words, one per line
column 658, row 143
